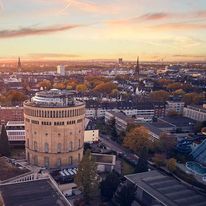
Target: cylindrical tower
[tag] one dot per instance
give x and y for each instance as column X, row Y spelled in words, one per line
column 54, row 129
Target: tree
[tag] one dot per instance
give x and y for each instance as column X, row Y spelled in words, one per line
column 105, row 87
column 4, row 143
column 159, row 160
column 193, row 98
column 86, row 178
column 109, row 185
column 81, row 87
column 160, row 95
column 164, row 82
column 79, row 202
column 179, row 92
column 175, row 86
column 142, row 166
column 15, row 97
column 166, row 143
column 125, row 195
column 171, row 164
column 59, row 85
column 137, row 139
column 45, row 84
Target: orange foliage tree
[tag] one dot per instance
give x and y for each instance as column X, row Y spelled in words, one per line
column 137, row 139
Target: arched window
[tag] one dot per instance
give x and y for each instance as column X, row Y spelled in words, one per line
column 71, row 146
column 79, row 143
column 59, row 148
column 70, row 160
column 35, row 146
column 36, row 160
column 59, row 162
column 46, row 147
column 46, row 162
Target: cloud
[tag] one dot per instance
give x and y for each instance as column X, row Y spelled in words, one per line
column 154, row 16
column 29, row 31
column 157, row 16
column 179, row 26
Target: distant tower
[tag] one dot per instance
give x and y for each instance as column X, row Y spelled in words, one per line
column 19, row 65
column 137, row 68
column 120, row 60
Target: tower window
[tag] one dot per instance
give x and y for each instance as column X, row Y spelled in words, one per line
column 59, row 148
column 46, row 147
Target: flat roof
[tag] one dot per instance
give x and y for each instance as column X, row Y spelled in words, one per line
column 179, row 121
column 35, row 193
column 166, row 189
column 15, row 123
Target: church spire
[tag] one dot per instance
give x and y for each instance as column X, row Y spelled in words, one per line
column 137, row 68
column 19, row 65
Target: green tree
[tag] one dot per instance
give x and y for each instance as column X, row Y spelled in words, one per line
column 109, row 185
column 4, row 143
column 87, row 178
column 142, row 166
column 125, row 195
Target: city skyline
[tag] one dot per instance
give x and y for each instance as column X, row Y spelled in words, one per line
column 79, row 29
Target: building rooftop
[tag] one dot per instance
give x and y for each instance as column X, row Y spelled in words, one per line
column 15, row 123
column 179, row 121
column 53, row 98
column 166, row 189
column 34, row 193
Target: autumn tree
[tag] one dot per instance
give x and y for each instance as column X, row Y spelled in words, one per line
column 59, row 85
column 71, row 84
column 174, row 86
column 159, row 159
column 45, row 84
column 160, row 95
column 193, row 98
column 4, row 143
column 87, row 178
column 137, row 139
column 15, row 97
column 93, row 81
column 166, row 143
column 179, row 92
column 105, row 87
column 171, row 164
column 164, row 82
column 81, row 87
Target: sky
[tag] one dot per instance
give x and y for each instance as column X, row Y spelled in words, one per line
column 155, row 30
